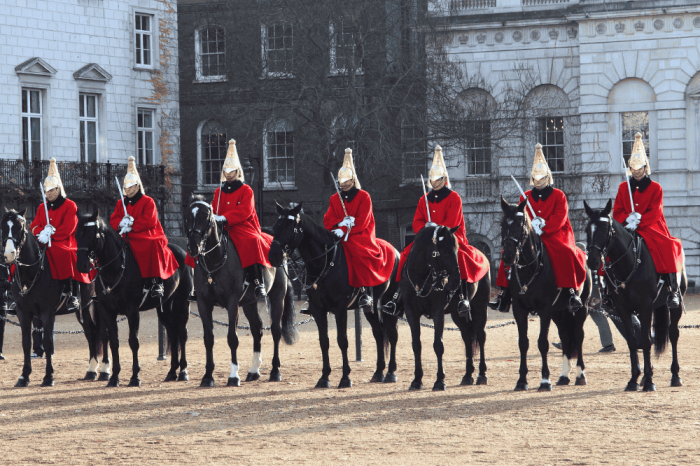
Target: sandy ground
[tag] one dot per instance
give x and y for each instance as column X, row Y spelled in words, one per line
column 80, row 422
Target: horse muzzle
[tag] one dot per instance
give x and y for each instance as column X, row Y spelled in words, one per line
column 10, row 252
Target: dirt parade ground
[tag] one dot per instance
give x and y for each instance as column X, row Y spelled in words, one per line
column 81, row 422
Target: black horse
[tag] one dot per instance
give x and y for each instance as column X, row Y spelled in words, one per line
column 429, row 281
column 330, row 291
column 219, row 279
column 634, row 288
column 120, row 291
column 36, row 293
column 534, row 291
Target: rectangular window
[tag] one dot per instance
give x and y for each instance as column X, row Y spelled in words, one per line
column 88, row 127
column 143, row 39
column 415, row 160
column 31, row 124
column 550, row 133
column 213, row 147
column 278, row 48
column 212, row 52
column 343, row 46
column 279, row 158
column 478, row 142
column 145, row 137
column 633, row 123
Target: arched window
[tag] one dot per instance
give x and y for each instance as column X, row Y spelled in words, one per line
column 211, row 152
column 549, row 105
column 210, row 54
column 478, row 107
column 278, row 143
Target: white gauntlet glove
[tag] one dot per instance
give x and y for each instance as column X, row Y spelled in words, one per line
column 538, row 224
column 125, row 230
column 347, row 222
column 338, row 232
column 219, row 218
column 633, row 220
column 45, row 234
column 431, row 224
column 127, row 221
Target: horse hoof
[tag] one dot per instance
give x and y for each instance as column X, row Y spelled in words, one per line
column 390, row 377
column 275, row 376
column 520, row 387
column 252, row 376
column 345, row 383
column 649, row 387
column 676, row 381
column 22, row 382
column 323, row 383
column 171, row 377
column 467, row 380
column 207, row 383
column 113, row 382
column 90, row 376
column 183, row 377
column 581, row 380
column 104, row 376
column 632, row 387
column 377, row 377
column 135, row 382
column 232, row 382
column 415, row 385
column 545, row 387
column 563, row 380
column 439, row 386
column 482, row 380
column 47, row 382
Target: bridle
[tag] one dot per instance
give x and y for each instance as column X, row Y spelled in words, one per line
column 204, row 236
column 634, row 245
column 519, row 244
column 95, row 249
column 18, row 243
column 437, row 279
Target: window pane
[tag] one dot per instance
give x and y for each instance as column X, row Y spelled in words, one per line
column 147, row 120
column 90, row 106
column 633, row 123
column 25, row 138
column 35, row 132
column 35, row 105
column 25, row 96
column 139, row 119
column 550, row 133
column 145, row 23
column 138, row 49
column 81, row 104
column 138, row 22
column 82, row 141
column 146, row 50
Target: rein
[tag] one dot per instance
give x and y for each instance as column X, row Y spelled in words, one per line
column 42, row 252
column 432, row 273
column 634, row 245
column 223, row 241
column 518, row 252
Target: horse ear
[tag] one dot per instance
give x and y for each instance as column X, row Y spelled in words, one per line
column 280, row 209
column 589, row 211
column 454, row 230
column 295, row 211
column 608, row 208
column 5, row 208
column 23, row 212
column 504, row 204
column 521, row 206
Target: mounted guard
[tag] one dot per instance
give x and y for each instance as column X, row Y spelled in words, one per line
column 646, row 218
column 54, row 227
column 350, row 218
column 446, row 210
column 549, row 211
column 136, row 220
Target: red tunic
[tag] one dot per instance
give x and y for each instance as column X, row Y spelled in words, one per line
column 568, row 261
column 63, row 250
column 448, row 212
column 370, row 260
column 666, row 250
column 252, row 245
column 146, row 238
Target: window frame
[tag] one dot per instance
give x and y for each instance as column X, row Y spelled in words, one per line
column 153, row 36
column 201, row 175
column 29, row 115
column 420, row 151
column 646, row 141
column 486, row 147
column 198, row 53
column 545, row 145
column 264, row 51
column 83, row 120
column 334, row 69
column 275, row 127
column 143, row 129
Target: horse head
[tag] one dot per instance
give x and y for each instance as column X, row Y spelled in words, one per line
column 515, row 229
column 438, row 247
column 202, row 222
column 90, row 237
column 13, row 233
column 599, row 232
column 287, row 233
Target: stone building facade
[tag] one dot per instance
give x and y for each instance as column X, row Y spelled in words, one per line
column 591, row 74
column 90, row 82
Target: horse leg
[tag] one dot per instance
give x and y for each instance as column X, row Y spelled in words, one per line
column 579, row 320
column 673, row 334
column 181, row 329
column 543, row 346
column 632, row 385
column 523, row 344
column 253, row 316
column 48, row 320
column 103, row 336
column 465, row 329
column 134, row 319
column 232, row 337
column 378, row 334
column 111, row 320
column 341, row 322
column 90, row 330
column 25, row 322
column 277, row 309
column 321, row 318
column 481, row 338
column 414, row 322
column 392, row 332
column 165, row 317
column 205, row 312
column 647, row 382
column 439, row 321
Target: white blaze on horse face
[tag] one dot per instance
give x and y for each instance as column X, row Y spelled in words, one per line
column 194, row 212
column 565, row 367
column 234, row 371
column 257, row 362
column 93, row 365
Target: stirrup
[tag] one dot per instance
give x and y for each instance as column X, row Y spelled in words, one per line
column 673, row 301
column 464, row 309
column 496, row 305
column 390, row 308
column 157, row 290
column 72, row 303
column 575, row 302
column 305, row 309
column 260, row 292
column 365, row 303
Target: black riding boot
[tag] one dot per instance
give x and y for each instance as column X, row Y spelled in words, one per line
column 391, row 306
column 575, row 302
column 464, row 308
column 255, row 276
column 366, row 300
column 674, row 297
column 157, row 290
column 72, row 302
column 502, row 302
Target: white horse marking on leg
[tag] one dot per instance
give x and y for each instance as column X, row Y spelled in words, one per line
column 93, row 365
column 106, row 368
column 545, row 382
column 565, row 367
column 257, row 362
column 234, row 371
column 579, row 372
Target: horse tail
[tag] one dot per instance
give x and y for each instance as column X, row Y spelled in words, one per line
column 661, row 325
column 289, row 330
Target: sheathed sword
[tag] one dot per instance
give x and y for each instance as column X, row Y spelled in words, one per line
column 46, row 209
column 425, row 194
column 627, row 178
column 337, row 189
column 524, row 196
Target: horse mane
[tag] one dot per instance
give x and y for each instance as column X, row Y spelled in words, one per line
column 198, row 198
column 318, row 232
